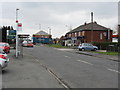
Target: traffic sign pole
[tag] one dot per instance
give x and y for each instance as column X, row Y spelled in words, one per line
column 16, row 32
column 16, row 43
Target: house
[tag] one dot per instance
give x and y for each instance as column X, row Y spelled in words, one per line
column 88, row 33
column 42, row 37
column 62, row 40
column 55, row 40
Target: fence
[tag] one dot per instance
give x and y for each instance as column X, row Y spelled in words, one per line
column 113, row 48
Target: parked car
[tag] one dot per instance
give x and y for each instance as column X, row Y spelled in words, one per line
column 3, row 59
column 30, row 44
column 87, row 46
column 5, row 47
column 24, row 43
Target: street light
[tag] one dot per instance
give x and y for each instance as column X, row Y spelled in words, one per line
column 16, row 32
column 69, row 27
column 49, row 30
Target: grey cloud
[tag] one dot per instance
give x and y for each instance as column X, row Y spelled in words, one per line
column 52, row 13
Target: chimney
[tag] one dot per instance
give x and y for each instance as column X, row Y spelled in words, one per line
column 91, row 17
column 85, row 23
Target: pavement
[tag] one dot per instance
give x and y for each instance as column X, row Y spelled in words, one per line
column 109, row 57
column 27, row 72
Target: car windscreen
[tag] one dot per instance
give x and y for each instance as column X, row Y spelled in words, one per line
column 1, row 51
column 2, row 44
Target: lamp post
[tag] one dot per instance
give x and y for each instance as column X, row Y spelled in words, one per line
column 16, row 32
column 49, row 30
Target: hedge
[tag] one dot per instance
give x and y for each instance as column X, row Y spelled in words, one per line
column 104, row 45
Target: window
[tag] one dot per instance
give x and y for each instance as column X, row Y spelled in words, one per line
column 75, row 34
column 101, row 36
column 83, row 33
column 79, row 33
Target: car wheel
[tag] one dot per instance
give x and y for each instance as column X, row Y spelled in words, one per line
column 83, row 49
column 80, row 49
column 95, row 49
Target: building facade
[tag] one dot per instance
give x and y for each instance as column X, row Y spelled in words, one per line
column 89, row 33
column 42, row 37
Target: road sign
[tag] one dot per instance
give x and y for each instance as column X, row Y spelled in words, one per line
column 12, row 32
column 23, row 36
column 19, row 26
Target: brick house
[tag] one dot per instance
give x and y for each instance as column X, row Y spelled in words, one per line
column 88, row 33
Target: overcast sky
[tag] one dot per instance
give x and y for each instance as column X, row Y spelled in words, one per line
column 59, row 16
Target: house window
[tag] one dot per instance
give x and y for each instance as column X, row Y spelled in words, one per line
column 101, row 36
column 75, row 34
column 69, row 35
column 79, row 34
column 83, row 33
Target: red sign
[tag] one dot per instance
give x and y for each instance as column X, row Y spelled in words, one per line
column 16, row 21
column 19, row 24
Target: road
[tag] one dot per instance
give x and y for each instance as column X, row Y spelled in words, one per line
column 72, row 69
column 77, row 71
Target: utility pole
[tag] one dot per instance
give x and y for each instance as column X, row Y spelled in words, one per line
column 39, row 26
column 91, row 27
column 16, row 32
column 49, row 30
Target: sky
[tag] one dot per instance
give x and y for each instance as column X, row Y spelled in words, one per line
column 58, row 16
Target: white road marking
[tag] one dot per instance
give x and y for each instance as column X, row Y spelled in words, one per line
column 85, row 62
column 113, row 70
column 63, row 49
column 67, row 56
column 37, row 60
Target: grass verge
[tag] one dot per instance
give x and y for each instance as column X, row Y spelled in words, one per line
column 109, row 53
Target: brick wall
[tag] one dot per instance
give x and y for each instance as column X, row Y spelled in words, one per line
column 98, row 36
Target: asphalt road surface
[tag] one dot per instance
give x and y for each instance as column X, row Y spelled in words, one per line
column 72, row 69
column 76, row 70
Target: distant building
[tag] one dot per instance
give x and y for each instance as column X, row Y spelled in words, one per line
column 0, row 34
column 89, row 33
column 62, row 40
column 42, row 37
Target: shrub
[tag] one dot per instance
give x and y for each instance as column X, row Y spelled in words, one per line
column 104, row 45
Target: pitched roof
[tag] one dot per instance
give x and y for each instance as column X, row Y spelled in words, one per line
column 42, row 33
column 89, row 27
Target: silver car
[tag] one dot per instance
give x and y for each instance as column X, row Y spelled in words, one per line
column 87, row 46
column 3, row 59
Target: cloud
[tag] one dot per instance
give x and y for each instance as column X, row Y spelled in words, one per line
column 58, row 1
column 58, row 14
